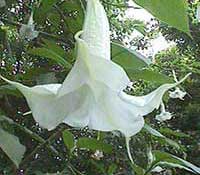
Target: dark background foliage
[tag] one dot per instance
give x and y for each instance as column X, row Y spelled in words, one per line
column 49, row 57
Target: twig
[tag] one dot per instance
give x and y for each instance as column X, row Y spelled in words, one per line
column 17, row 24
column 36, row 137
column 25, row 162
column 74, row 170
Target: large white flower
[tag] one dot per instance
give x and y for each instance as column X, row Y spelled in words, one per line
column 92, row 93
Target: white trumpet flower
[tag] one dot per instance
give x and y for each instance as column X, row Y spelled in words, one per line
column 92, row 93
column 164, row 115
column 27, row 31
column 177, row 93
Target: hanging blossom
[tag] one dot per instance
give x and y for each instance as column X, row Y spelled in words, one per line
column 27, row 31
column 92, row 94
column 177, row 93
column 164, row 115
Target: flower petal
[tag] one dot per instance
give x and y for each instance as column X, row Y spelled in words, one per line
column 103, row 110
column 41, row 100
column 145, row 104
column 109, row 112
column 88, row 67
column 177, row 94
column 163, row 116
column 96, row 30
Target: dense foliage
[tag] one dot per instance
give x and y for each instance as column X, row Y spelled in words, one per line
column 26, row 148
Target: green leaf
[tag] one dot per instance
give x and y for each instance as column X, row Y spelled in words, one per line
column 140, row 26
column 134, row 64
column 112, row 169
column 174, row 161
column 93, row 144
column 54, row 47
column 2, row 35
column 11, row 146
column 99, row 166
column 156, row 133
column 127, row 58
column 68, row 139
column 48, row 53
column 153, row 131
column 9, row 90
column 4, row 118
column 43, row 10
column 75, row 22
column 149, row 75
column 137, row 169
column 169, row 131
column 172, row 12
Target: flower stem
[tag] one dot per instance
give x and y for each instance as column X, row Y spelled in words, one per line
column 128, row 149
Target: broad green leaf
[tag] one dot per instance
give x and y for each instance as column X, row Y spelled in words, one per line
column 172, row 12
column 175, row 161
column 172, row 143
column 43, row 10
column 68, row 139
column 3, row 118
column 47, row 53
column 127, row 58
column 75, row 16
column 169, row 131
column 11, row 146
column 140, row 26
column 99, row 166
column 54, row 47
column 133, row 63
column 173, row 165
column 149, row 75
column 156, row 133
column 112, row 169
column 93, row 144
column 137, row 169
column 153, row 131
column 9, row 90
column 55, row 19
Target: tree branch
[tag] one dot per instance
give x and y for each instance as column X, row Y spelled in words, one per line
column 47, row 142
